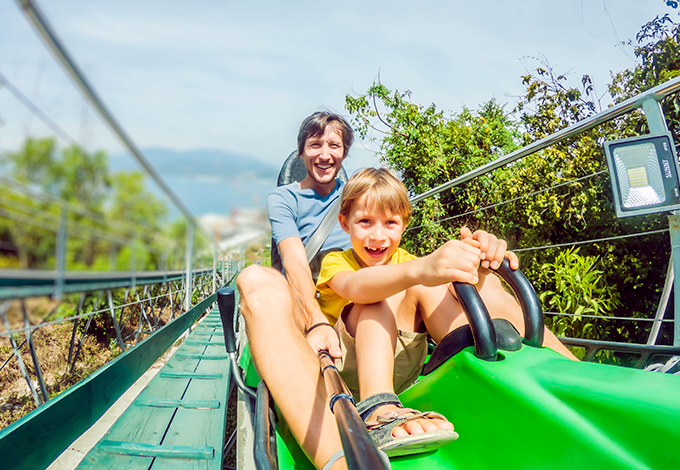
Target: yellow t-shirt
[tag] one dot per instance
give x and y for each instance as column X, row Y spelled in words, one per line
column 330, row 302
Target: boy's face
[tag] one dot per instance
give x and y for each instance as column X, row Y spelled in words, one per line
column 323, row 155
column 375, row 235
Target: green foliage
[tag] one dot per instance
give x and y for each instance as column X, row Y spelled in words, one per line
column 28, row 226
column 576, row 287
column 568, row 182
column 133, row 203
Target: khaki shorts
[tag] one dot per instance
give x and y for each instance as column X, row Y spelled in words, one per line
column 409, row 357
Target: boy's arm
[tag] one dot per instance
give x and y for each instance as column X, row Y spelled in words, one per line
column 454, row 261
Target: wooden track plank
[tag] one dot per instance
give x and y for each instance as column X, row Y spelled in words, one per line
column 200, row 428
column 155, row 430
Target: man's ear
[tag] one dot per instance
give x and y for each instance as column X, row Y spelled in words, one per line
column 343, row 223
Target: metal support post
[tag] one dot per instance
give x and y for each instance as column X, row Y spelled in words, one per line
column 674, row 223
column 657, row 123
column 133, row 261
column 214, row 273
column 74, row 333
column 663, row 304
column 121, row 344
column 60, row 255
column 189, row 262
column 34, row 353
column 17, row 354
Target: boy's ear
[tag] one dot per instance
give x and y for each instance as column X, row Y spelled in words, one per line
column 343, row 223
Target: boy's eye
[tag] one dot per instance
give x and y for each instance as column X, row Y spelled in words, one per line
column 364, row 221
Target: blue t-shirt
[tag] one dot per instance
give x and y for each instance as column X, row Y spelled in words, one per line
column 295, row 212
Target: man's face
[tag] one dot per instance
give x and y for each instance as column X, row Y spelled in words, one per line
column 323, row 155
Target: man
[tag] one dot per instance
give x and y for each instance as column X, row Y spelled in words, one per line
column 279, row 310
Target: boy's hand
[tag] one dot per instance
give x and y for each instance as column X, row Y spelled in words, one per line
column 493, row 249
column 455, row 261
column 325, row 337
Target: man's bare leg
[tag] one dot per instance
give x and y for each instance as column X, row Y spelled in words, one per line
column 443, row 313
column 287, row 363
column 501, row 304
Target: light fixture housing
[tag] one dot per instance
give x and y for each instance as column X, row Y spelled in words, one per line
column 644, row 174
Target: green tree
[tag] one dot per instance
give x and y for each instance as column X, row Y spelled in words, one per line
column 84, row 180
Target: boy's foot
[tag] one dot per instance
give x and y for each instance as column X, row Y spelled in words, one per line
column 403, row 431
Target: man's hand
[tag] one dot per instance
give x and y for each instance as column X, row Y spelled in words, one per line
column 493, row 249
column 454, row 261
column 325, row 337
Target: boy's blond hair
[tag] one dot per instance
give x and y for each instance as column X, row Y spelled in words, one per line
column 383, row 189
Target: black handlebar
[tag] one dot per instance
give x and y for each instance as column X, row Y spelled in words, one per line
column 528, row 300
column 226, row 301
column 483, row 331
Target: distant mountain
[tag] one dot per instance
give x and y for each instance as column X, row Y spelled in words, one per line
column 208, row 181
column 200, row 162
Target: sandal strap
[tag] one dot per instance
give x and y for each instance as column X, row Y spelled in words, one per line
column 402, row 416
column 334, row 458
column 370, row 404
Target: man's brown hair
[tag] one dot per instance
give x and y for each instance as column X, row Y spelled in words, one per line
column 383, row 189
column 315, row 125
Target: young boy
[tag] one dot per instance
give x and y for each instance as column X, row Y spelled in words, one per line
column 384, row 301
column 383, row 314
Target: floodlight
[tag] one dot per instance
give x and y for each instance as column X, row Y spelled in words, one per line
column 644, row 174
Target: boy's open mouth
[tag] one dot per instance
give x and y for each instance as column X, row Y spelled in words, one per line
column 375, row 252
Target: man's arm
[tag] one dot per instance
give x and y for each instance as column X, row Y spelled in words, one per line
column 300, row 280
column 454, row 261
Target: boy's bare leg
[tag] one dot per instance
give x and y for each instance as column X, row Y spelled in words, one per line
column 287, row 363
column 374, row 327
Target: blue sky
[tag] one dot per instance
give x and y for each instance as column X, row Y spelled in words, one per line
column 240, row 76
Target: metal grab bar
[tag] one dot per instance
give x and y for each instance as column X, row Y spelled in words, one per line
column 226, row 303
column 360, row 451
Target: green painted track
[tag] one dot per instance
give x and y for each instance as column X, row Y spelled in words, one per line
column 178, row 420
column 536, row 410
